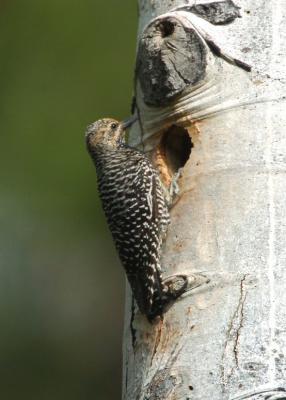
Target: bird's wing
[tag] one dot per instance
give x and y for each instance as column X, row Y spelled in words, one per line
column 137, row 233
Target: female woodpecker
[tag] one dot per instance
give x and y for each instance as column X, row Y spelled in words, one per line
column 135, row 207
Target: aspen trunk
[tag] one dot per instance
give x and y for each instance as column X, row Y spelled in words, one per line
column 225, row 339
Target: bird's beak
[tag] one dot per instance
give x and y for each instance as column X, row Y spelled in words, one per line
column 129, row 121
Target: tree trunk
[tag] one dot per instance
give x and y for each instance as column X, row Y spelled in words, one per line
column 225, row 339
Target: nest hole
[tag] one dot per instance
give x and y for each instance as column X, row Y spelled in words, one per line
column 176, row 145
column 172, row 152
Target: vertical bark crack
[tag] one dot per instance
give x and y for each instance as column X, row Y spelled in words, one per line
column 230, row 354
column 157, row 340
column 132, row 329
column 240, row 316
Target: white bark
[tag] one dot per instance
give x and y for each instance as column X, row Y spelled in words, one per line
column 228, row 338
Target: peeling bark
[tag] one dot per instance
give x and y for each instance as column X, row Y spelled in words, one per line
column 224, row 340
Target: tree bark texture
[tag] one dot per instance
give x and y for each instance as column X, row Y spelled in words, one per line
column 225, row 339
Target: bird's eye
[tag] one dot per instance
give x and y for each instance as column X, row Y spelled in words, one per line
column 114, row 125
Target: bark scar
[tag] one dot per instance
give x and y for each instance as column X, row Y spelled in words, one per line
column 231, row 346
column 266, row 394
column 157, row 340
column 132, row 329
column 240, row 315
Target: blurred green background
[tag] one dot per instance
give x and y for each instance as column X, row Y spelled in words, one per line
column 64, row 64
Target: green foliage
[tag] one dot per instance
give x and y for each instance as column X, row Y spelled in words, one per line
column 64, row 64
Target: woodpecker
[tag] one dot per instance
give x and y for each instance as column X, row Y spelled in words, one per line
column 137, row 213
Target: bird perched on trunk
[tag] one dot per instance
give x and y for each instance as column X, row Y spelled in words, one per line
column 136, row 210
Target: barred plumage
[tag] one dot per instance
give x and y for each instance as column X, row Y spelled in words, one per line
column 136, row 211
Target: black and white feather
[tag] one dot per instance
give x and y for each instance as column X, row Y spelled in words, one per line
column 136, row 211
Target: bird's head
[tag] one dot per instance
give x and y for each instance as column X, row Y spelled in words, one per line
column 106, row 133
